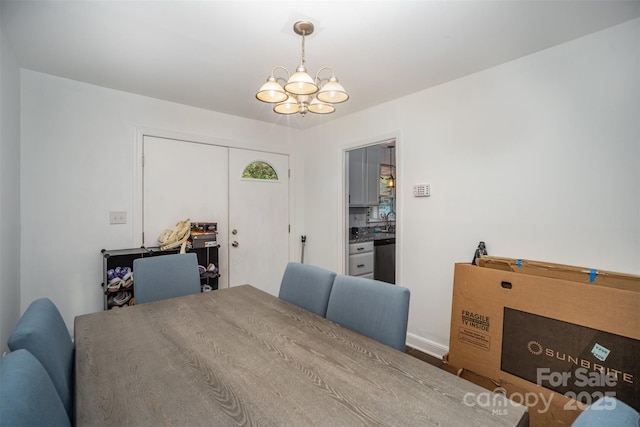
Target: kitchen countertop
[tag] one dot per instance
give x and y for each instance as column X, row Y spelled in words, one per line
column 370, row 237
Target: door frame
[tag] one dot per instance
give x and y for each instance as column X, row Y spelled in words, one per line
column 344, row 217
column 141, row 132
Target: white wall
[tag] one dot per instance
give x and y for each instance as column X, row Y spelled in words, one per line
column 9, row 191
column 538, row 157
column 78, row 149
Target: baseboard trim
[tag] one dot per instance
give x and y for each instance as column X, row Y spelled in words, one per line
column 426, row 346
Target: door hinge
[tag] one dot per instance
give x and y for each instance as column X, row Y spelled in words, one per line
column 289, row 228
column 289, row 173
column 143, row 161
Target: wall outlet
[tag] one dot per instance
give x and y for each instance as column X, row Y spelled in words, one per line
column 117, row 217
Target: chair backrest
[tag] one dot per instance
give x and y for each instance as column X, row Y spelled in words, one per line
column 608, row 411
column 42, row 332
column 165, row 276
column 27, row 395
column 376, row 309
column 307, row 286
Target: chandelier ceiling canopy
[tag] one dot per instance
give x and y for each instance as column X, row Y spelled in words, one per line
column 302, row 93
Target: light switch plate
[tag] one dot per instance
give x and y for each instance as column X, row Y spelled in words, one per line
column 117, row 217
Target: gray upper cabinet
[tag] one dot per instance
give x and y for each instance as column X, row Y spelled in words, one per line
column 372, row 167
column 364, row 176
column 357, row 159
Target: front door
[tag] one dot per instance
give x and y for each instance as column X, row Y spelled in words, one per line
column 184, row 179
column 258, row 218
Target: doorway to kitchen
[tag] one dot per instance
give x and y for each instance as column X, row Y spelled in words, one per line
column 371, row 216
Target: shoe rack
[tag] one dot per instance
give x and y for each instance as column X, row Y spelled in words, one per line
column 119, row 262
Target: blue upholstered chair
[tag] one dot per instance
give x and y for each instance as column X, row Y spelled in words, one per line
column 606, row 412
column 307, row 286
column 27, row 395
column 165, row 276
column 376, row 309
column 42, row 332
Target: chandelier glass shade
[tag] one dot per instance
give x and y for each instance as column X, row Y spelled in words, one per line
column 302, row 93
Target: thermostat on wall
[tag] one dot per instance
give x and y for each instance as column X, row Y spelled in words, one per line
column 421, row 190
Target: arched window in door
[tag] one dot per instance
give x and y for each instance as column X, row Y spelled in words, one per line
column 260, row 170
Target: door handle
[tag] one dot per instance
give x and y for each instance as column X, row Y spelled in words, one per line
column 235, row 244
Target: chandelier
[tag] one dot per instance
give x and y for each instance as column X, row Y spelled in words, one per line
column 302, row 93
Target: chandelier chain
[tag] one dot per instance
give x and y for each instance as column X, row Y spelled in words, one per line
column 303, row 61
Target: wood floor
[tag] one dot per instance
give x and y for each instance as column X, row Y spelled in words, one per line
column 424, row 357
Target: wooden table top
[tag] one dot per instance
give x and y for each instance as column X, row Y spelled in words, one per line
column 240, row 356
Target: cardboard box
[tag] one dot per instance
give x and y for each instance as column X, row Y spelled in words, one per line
column 477, row 379
column 204, row 235
column 560, row 271
column 547, row 331
column 545, row 409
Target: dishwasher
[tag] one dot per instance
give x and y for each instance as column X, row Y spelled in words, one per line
column 384, row 265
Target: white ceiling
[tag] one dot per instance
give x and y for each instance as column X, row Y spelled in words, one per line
column 216, row 54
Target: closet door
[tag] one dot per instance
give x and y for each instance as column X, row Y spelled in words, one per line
column 183, row 179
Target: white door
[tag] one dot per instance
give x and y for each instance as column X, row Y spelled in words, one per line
column 181, row 180
column 258, row 221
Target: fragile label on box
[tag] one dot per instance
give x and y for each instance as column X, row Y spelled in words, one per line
column 582, row 363
column 474, row 329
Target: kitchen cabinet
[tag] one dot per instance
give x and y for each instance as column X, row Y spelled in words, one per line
column 361, row 259
column 364, row 176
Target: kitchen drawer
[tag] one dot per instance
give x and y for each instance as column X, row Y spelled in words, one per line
column 361, row 264
column 362, row 247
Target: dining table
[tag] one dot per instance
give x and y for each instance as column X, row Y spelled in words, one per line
column 242, row 357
